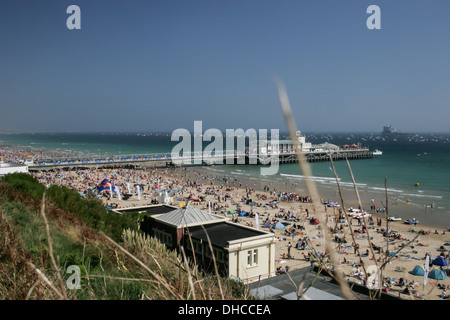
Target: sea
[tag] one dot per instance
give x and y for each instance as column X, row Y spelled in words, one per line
column 411, row 177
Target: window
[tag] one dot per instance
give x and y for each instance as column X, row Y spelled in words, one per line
column 252, row 257
column 196, row 247
column 163, row 237
column 220, row 256
column 255, row 257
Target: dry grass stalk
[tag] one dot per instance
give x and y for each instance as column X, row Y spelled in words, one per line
column 347, row 217
column 215, row 264
column 161, row 281
column 191, row 284
column 304, row 166
column 195, row 268
column 46, row 280
column 360, row 207
column 50, row 249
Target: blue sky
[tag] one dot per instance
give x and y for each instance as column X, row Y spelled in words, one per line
column 160, row 65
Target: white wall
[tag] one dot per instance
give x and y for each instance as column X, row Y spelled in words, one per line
column 6, row 168
column 238, row 259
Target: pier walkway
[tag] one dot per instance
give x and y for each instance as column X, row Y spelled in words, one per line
column 226, row 157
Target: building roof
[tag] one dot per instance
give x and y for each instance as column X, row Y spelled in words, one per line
column 151, row 210
column 321, row 287
column 326, row 146
column 280, row 141
column 220, row 234
column 11, row 165
column 188, row 216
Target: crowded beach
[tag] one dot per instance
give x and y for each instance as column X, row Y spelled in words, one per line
column 359, row 241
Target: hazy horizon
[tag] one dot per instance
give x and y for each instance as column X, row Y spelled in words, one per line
column 283, row 133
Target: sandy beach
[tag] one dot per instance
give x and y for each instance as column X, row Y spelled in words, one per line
column 407, row 247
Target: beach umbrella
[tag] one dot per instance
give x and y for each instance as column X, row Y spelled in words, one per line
column 439, row 261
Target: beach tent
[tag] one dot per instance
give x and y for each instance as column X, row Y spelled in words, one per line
column 231, row 211
column 418, row 271
column 104, row 185
column 242, row 214
column 279, row 226
column 267, row 224
column 314, row 221
column 439, row 261
column 437, row 274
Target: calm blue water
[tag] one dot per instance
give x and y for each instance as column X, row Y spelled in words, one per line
column 425, row 159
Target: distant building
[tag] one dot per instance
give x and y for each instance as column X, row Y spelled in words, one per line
column 289, row 146
column 390, row 132
column 284, row 146
column 239, row 251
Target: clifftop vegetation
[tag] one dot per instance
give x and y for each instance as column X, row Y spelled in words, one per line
column 48, row 235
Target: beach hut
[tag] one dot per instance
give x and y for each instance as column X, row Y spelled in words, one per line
column 279, row 226
column 437, row 274
column 418, row 271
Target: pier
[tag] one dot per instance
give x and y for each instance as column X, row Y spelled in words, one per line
column 265, row 152
column 166, row 159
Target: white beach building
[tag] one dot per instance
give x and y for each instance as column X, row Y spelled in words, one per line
column 240, row 252
column 6, row 168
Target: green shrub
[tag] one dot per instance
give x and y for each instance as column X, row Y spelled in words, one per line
column 26, row 183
